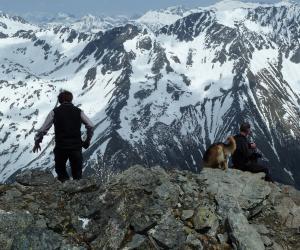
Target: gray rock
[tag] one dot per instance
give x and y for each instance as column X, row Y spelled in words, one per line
column 276, row 246
column 40, row 222
column 137, row 177
column 36, row 177
column 114, row 233
column 187, row 214
column 168, row 193
column 56, row 221
column 66, row 246
column 155, row 210
column 193, row 241
column 288, row 212
column 14, row 222
column 260, row 228
column 20, row 187
column 223, row 238
column 11, row 194
column 141, row 222
column 190, row 188
column 34, row 207
column 5, row 241
column 267, row 241
column 159, row 209
column 245, row 188
column 205, row 219
column 37, row 239
column 83, row 185
column 138, row 242
column 189, row 202
column 169, row 232
column 160, row 173
column 242, row 233
column 145, row 43
column 182, row 178
column 225, row 204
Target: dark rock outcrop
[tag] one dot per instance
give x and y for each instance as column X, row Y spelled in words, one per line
column 149, row 208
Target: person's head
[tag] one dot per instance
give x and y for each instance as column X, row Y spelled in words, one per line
column 245, row 129
column 65, row 96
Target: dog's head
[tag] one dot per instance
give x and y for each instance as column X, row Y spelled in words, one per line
column 231, row 144
column 230, row 138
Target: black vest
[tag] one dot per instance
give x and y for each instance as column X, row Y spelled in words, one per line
column 67, row 124
column 240, row 157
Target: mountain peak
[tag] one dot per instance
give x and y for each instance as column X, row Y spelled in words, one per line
column 14, row 18
column 236, row 4
column 233, row 4
column 177, row 10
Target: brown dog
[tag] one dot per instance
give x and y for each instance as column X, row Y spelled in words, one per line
column 217, row 154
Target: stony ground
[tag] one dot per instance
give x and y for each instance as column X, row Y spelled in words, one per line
column 150, row 209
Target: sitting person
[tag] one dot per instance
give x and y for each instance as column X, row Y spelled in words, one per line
column 245, row 156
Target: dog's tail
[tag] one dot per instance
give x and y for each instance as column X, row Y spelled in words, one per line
column 231, row 146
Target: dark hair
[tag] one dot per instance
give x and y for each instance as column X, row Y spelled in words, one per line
column 245, row 127
column 65, row 96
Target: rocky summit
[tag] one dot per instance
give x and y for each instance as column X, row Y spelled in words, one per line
column 150, row 208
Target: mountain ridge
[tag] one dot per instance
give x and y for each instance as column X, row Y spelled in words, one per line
column 158, row 96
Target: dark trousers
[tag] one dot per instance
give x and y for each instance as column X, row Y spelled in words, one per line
column 255, row 167
column 74, row 156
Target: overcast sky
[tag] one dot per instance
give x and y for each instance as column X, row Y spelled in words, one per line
column 98, row 7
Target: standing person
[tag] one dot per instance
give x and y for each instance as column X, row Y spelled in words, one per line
column 245, row 156
column 67, row 121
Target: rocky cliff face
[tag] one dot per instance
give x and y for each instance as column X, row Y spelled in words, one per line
column 144, row 208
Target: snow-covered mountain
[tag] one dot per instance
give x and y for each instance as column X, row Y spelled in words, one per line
column 88, row 23
column 93, row 24
column 44, row 18
column 158, row 94
column 155, row 19
column 9, row 25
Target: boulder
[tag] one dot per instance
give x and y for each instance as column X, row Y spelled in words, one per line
column 36, row 177
column 205, row 220
column 138, row 242
column 168, row 193
column 169, row 232
column 236, row 189
column 37, row 238
column 289, row 213
column 194, row 242
column 141, row 222
column 244, row 235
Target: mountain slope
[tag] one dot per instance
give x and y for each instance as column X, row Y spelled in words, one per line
column 161, row 95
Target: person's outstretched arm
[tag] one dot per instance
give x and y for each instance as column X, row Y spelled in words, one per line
column 89, row 127
column 38, row 138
